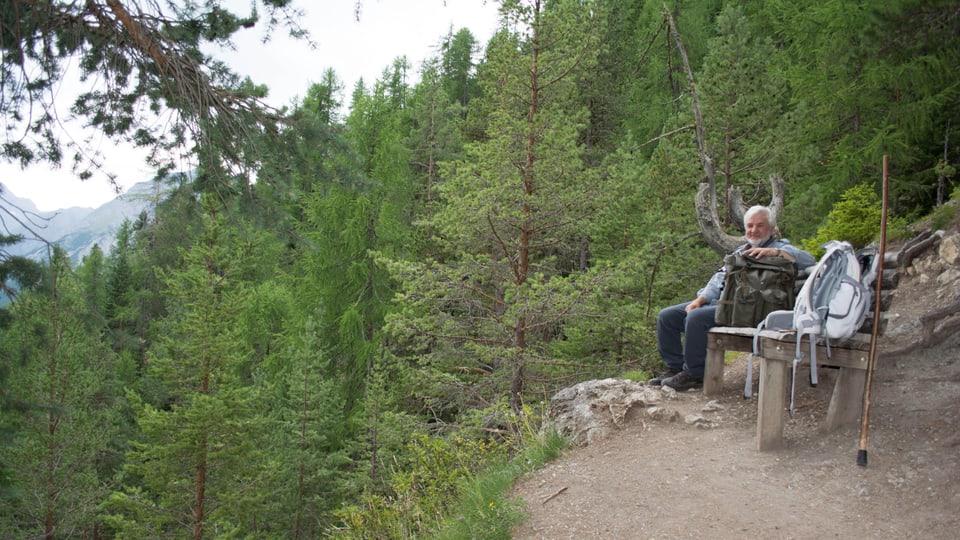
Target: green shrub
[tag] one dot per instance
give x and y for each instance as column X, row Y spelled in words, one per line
column 856, row 219
column 421, row 492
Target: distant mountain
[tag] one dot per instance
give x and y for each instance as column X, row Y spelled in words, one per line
column 75, row 229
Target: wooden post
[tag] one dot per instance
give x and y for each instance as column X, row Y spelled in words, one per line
column 772, row 397
column 847, row 397
column 713, row 371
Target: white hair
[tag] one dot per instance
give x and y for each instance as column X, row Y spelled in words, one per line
column 759, row 208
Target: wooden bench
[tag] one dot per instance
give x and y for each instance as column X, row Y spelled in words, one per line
column 779, row 350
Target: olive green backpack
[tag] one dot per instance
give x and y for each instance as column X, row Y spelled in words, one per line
column 753, row 288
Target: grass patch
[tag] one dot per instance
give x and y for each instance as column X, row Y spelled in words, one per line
column 730, row 356
column 636, row 375
column 942, row 217
column 484, row 510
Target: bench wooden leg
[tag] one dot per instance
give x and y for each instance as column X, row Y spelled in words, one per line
column 772, row 397
column 713, row 372
column 846, row 403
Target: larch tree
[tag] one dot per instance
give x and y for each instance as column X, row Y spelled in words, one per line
column 345, row 225
column 458, row 66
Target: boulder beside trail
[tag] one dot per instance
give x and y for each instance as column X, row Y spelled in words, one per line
column 591, row 410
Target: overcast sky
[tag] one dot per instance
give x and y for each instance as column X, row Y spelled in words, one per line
column 386, row 30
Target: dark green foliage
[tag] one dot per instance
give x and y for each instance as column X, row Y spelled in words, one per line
column 309, row 155
column 875, row 78
column 646, row 64
column 15, row 273
column 744, row 100
column 458, row 66
column 201, row 452
column 311, row 446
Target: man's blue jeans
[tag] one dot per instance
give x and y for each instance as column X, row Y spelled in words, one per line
column 690, row 352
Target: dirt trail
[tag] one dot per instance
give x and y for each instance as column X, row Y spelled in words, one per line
column 673, row 480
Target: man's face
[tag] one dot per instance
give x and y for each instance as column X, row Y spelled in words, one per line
column 758, row 229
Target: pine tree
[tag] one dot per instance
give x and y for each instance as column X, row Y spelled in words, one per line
column 482, row 311
column 318, row 468
column 196, row 469
column 137, row 57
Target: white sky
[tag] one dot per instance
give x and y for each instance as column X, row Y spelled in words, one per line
column 353, row 49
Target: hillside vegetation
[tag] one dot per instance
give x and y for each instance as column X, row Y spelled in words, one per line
column 342, row 320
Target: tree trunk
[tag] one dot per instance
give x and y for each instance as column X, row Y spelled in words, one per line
column 200, row 483
column 200, row 493
column 708, row 215
column 526, row 232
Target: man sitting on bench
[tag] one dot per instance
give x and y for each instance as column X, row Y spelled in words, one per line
column 685, row 357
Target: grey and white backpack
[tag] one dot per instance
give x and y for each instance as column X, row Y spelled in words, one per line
column 832, row 305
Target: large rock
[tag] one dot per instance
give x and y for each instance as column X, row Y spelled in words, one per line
column 950, row 250
column 589, row 411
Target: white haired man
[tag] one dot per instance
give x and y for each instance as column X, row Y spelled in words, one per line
column 685, row 357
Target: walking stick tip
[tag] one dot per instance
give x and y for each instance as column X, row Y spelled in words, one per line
column 862, row 458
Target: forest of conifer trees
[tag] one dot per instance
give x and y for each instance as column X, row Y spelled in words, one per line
column 374, row 303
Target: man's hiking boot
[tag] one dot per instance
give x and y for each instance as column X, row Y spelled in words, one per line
column 656, row 381
column 682, row 381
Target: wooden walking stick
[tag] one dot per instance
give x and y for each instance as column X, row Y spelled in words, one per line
column 871, row 362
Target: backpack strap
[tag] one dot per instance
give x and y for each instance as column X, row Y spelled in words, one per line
column 797, row 358
column 793, row 383
column 813, row 360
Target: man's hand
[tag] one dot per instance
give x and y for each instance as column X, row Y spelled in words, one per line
column 697, row 302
